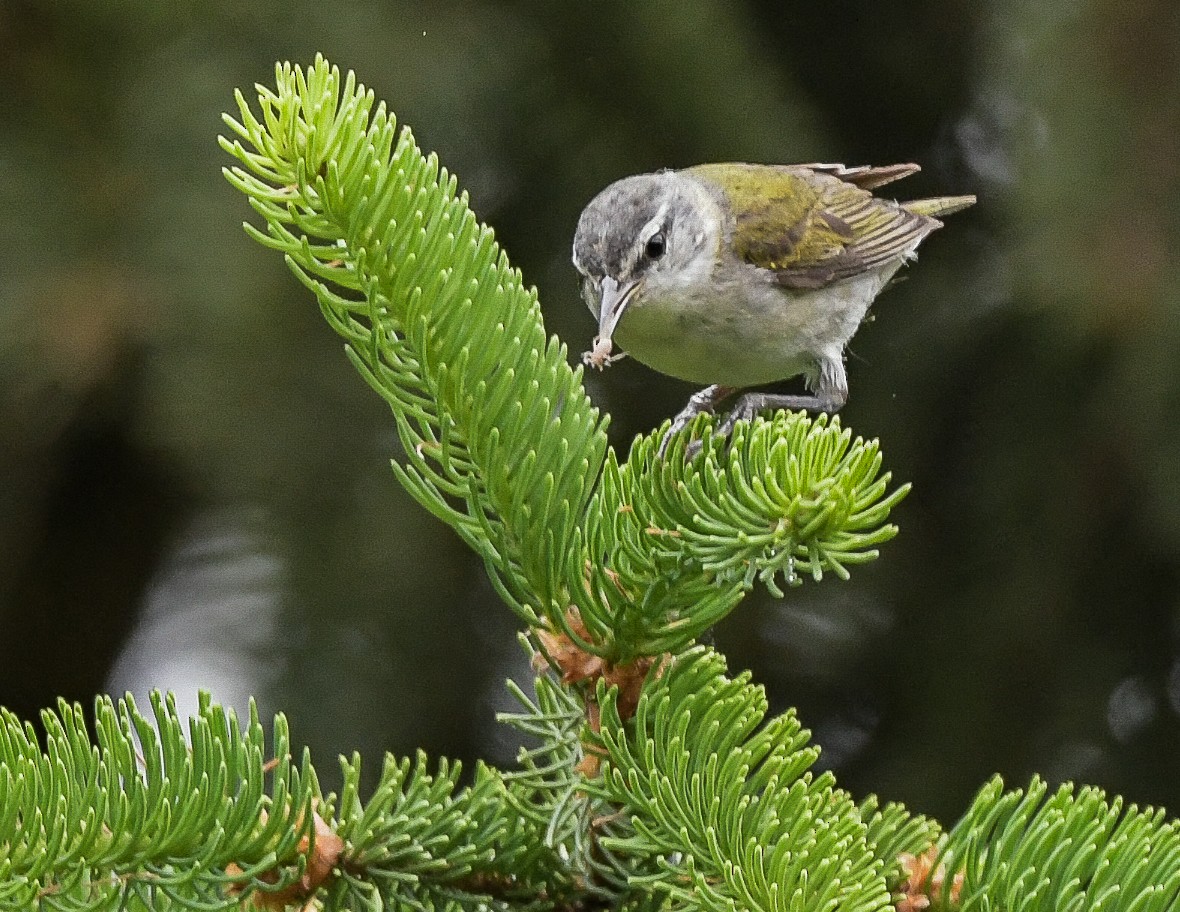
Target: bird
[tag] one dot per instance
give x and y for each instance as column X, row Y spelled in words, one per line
column 737, row 275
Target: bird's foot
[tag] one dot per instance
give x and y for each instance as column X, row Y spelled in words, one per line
column 699, row 403
column 747, row 407
column 752, row 404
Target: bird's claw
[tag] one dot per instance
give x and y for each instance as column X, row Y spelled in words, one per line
column 702, row 402
column 746, row 408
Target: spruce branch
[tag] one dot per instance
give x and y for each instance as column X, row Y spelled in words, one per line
column 703, row 803
column 675, row 544
column 147, row 814
column 725, row 812
column 621, row 562
column 421, row 841
column 499, row 437
column 896, row 835
column 1032, row 850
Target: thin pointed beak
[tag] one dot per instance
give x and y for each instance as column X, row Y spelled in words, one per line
column 613, row 301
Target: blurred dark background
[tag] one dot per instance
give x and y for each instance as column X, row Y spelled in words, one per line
column 194, row 485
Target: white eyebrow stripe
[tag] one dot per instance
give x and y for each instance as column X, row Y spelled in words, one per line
column 656, row 223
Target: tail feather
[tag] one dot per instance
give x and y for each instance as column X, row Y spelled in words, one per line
column 938, row 205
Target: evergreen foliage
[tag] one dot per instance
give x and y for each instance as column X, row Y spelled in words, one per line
column 146, row 815
column 780, row 496
column 499, row 437
column 421, row 841
column 1032, row 851
column 894, row 832
column 655, row 780
column 723, row 806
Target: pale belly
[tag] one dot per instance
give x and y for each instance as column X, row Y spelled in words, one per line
column 746, row 336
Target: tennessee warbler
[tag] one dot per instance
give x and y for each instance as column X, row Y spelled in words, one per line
column 738, row 275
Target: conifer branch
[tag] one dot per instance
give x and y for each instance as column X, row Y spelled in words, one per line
column 499, row 437
column 726, row 814
column 675, row 544
column 147, row 814
column 1032, row 850
column 500, row 440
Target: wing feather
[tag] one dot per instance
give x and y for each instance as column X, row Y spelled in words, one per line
column 812, row 225
column 866, row 176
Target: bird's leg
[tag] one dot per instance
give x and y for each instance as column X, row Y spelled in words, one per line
column 698, row 403
column 831, row 392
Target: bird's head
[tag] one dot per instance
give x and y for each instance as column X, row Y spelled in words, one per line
column 641, row 233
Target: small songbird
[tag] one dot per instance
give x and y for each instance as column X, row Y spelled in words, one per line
column 738, row 275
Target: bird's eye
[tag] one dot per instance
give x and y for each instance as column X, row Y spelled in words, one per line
column 655, row 246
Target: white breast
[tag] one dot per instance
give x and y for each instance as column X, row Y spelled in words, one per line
column 746, row 331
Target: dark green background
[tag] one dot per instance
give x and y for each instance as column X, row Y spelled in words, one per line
column 194, row 488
